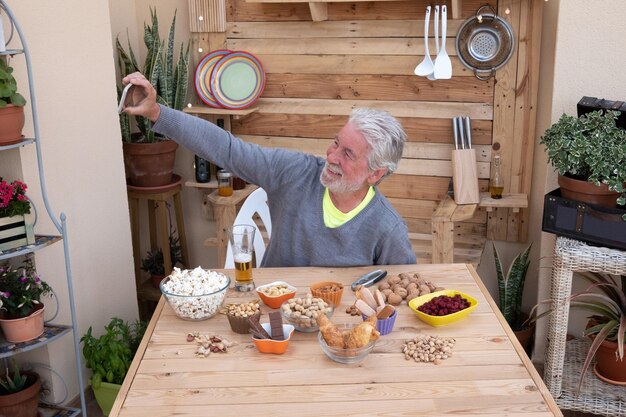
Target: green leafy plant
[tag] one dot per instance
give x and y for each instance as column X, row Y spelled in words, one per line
column 110, row 355
column 511, row 287
column 170, row 80
column 21, row 289
column 8, row 87
column 12, row 384
column 605, row 299
column 153, row 263
column 590, row 148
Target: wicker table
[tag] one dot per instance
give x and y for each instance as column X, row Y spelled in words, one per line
column 596, row 396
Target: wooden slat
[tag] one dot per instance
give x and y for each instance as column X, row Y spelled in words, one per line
column 412, row 150
column 504, row 119
column 350, row 64
column 327, row 126
column 331, row 29
column 397, row 108
column 377, row 87
column 529, row 47
column 242, row 11
column 337, row 46
column 207, row 16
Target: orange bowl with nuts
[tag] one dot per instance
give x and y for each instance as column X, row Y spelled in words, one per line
column 329, row 291
column 276, row 293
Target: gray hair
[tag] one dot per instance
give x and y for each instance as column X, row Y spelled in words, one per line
column 384, row 134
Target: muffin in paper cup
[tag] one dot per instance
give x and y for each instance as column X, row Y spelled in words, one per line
column 385, row 326
column 329, row 291
column 240, row 324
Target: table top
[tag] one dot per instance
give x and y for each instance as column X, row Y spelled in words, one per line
column 488, row 374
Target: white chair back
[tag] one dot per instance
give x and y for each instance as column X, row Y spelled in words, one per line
column 256, row 203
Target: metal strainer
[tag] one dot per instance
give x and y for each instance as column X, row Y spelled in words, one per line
column 485, row 43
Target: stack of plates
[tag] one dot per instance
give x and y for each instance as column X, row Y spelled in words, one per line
column 229, row 79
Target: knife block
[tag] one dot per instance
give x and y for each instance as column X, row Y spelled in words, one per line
column 465, row 176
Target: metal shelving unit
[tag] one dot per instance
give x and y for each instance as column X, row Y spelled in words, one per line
column 52, row 332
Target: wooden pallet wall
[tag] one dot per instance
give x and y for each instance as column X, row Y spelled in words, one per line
column 364, row 55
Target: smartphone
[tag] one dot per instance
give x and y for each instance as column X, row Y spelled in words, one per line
column 122, row 104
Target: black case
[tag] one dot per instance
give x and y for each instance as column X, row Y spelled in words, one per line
column 600, row 226
column 589, row 104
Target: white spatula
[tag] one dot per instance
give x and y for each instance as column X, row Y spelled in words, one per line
column 431, row 76
column 426, row 66
column 443, row 65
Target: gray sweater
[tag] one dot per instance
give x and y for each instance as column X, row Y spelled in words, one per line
column 375, row 236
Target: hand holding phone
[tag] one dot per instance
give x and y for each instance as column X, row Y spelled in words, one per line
column 122, row 103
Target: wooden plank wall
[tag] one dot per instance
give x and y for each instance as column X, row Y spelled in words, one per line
column 364, row 55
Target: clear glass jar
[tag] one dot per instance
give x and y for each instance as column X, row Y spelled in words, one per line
column 224, row 183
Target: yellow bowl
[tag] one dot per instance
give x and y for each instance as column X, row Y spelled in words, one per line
column 442, row 320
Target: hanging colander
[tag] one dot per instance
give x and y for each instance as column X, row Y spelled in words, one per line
column 485, row 43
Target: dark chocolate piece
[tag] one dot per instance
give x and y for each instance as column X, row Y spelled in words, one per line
column 276, row 324
column 256, row 329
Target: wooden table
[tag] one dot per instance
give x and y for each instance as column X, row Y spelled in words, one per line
column 488, row 374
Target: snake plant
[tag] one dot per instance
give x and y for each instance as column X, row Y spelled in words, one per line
column 511, row 287
column 170, row 80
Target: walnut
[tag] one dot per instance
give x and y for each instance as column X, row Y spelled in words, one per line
column 383, row 286
column 413, row 294
column 424, row 289
column 401, row 292
column 386, row 292
column 411, row 287
column 394, row 299
column 393, row 280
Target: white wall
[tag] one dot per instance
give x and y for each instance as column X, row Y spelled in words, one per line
column 588, row 60
column 73, row 67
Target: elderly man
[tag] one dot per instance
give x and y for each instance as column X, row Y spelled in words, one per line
column 324, row 212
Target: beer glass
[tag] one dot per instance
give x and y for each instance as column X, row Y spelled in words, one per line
column 241, row 240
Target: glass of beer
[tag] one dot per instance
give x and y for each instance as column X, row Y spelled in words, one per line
column 241, row 239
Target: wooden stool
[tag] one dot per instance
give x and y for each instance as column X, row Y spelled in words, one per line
column 157, row 198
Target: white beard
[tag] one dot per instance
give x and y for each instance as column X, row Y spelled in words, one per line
column 338, row 185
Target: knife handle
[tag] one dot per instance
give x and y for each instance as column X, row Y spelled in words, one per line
column 369, row 279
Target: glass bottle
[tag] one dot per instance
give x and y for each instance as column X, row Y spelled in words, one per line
column 224, row 183
column 496, row 185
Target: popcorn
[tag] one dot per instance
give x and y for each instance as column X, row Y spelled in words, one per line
column 195, row 294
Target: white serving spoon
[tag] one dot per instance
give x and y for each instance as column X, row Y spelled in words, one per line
column 426, row 66
column 443, row 65
column 431, row 76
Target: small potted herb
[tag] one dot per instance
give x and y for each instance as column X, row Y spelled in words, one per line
column 110, row 356
column 153, row 262
column 589, row 152
column 19, row 391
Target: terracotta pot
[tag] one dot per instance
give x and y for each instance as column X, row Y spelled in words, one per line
column 23, row 403
column 587, row 192
column 525, row 337
column 150, row 164
column 156, row 280
column 11, row 124
column 609, row 367
column 25, row 328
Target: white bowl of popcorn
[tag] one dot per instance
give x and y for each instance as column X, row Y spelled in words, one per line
column 195, row 294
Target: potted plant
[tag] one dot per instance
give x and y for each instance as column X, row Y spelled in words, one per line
column 19, row 393
column 153, row 263
column 605, row 299
column 21, row 313
column 11, row 107
column 109, row 357
column 589, row 154
column 510, row 291
column 14, row 205
column 149, row 159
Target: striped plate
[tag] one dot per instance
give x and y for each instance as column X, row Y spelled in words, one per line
column 237, row 80
column 203, row 76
